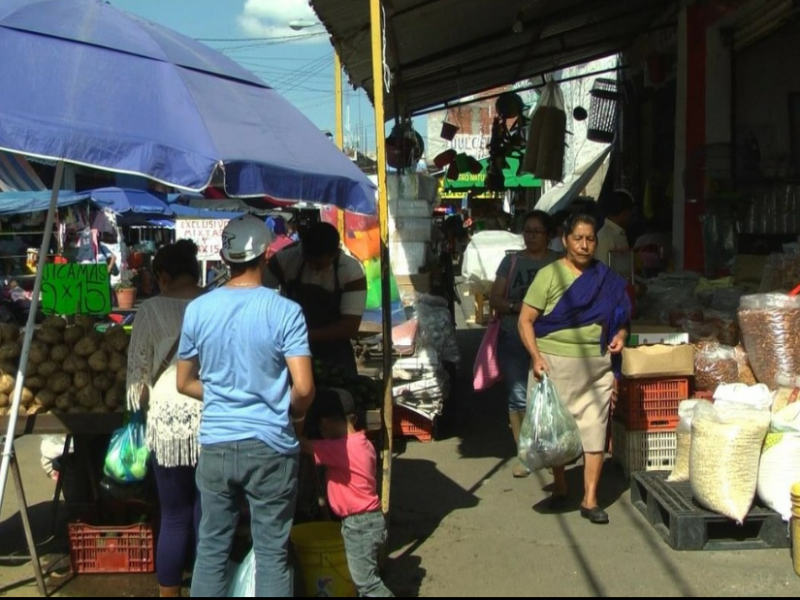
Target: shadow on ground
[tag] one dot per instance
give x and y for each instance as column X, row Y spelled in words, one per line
column 415, row 518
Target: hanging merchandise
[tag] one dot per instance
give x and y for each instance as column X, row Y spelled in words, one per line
column 104, row 222
column 544, row 156
column 508, row 139
column 87, row 246
column 404, row 146
column 603, row 111
column 449, row 131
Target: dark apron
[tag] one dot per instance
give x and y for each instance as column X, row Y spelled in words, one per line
column 322, row 308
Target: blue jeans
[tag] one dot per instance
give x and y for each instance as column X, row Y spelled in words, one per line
column 364, row 535
column 515, row 364
column 226, row 473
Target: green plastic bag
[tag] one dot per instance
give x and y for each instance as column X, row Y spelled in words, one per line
column 128, row 455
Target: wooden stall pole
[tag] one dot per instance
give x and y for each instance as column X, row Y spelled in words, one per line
column 8, row 449
column 383, row 214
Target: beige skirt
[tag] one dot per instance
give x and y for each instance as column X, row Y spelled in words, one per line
column 584, row 386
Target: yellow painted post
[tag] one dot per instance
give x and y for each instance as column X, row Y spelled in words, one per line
column 337, row 79
column 339, row 100
column 383, row 214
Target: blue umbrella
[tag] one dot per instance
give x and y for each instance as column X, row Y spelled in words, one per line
column 124, row 200
column 90, row 84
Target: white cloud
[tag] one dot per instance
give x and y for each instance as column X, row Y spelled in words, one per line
column 271, row 18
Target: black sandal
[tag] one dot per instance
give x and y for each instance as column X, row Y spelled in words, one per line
column 596, row 515
column 557, row 502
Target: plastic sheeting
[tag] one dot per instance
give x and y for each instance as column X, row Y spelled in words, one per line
column 485, row 252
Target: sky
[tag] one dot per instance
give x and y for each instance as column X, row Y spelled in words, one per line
column 256, row 34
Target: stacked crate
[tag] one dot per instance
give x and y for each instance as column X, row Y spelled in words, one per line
column 644, row 422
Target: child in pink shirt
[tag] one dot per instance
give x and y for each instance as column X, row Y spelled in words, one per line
column 352, row 489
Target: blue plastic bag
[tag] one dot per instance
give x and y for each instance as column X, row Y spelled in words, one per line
column 128, row 455
column 242, row 577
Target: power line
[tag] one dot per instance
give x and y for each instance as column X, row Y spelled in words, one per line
column 263, row 39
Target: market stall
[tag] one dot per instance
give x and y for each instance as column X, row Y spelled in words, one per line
column 265, row 144
column 708, row 426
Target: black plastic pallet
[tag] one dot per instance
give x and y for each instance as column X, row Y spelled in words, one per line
column 685, row 525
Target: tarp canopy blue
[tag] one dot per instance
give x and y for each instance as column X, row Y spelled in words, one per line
column 124, row 200
column 182, row 113
column 191, row 212
column 17, row 203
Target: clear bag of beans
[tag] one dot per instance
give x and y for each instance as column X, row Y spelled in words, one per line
column 714, row 365
column 770, row 328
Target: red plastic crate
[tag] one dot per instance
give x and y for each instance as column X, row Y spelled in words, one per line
column 650, row 404
column 111, row 549
column 407, row 423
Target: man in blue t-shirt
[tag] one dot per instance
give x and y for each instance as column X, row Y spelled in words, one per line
column 244, row 352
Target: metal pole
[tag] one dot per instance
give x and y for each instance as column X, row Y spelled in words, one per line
column 383, row 213
column 337, row 79
column 8, row 449
column 339, row 103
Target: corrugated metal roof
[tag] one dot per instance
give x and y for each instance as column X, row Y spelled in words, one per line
column 442, row 50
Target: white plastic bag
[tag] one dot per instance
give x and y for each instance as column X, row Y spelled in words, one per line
column 739, row 395
column 684, row 434
column 780, row 461
column 550, row 436
column 725, row 455
column 242, row 577
column 51, row 448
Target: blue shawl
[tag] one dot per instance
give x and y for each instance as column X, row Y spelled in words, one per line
column 597, row 297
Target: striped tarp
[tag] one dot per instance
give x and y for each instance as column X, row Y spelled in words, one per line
column 17, row 174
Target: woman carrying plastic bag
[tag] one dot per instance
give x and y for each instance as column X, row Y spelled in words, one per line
column 574, row 323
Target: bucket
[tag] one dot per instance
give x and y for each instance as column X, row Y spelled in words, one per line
column 322, row 559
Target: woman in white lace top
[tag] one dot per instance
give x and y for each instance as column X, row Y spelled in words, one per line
column 173, row 420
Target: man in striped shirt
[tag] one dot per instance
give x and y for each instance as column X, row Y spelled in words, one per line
column 331, row 288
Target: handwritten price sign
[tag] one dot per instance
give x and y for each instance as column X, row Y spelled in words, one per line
column 76, row 290
column 206, row 233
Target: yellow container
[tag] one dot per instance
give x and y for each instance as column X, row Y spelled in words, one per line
column 323, row 561
column 796, row 527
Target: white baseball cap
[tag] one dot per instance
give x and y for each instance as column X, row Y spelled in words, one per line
column 245, row 238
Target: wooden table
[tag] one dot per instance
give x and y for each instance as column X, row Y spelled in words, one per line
column 53, row 424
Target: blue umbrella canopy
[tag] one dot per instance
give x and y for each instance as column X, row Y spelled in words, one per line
column 89, row 84
column 124, row 201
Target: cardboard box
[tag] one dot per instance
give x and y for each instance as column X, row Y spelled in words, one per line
column 658, row 361
column 414, row 283
column 650, row 338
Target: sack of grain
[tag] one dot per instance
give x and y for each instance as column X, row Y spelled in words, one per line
column 684, row 435
column 770, row 326
column 725, row 455
column 780, row 461
column 739, row 395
